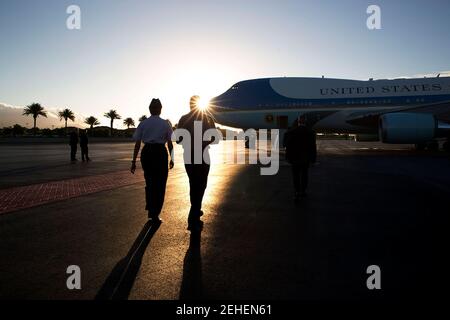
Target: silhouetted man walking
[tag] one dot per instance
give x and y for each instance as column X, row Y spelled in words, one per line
column 301, row 151
column 73, row 142
column 196, row 171
column 84, row 146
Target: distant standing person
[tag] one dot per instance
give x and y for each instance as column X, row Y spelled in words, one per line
column 84, row 146
column 73, row 142
column 301, row 151
column 197, row 172
column 155, row 133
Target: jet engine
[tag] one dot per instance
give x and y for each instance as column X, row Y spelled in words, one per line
column 404, row 127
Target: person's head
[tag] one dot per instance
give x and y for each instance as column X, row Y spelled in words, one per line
column 294, row 124
column 155, row 107
column 301, row 120
column 193, row 102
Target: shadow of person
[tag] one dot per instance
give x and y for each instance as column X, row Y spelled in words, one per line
column 191, row 286
column 121, row 279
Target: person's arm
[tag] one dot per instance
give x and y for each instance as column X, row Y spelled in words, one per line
column 180, row 125
column 209, row 124
column 313, row 147
column 137, row 147
column 137, row 136
column 170, row 146
column 285, row 136
column 286, row 145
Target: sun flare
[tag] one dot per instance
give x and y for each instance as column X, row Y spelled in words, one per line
column 202, row 104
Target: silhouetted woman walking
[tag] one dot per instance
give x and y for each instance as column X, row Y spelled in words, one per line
column 155, row 133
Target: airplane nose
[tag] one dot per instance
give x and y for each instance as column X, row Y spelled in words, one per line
column 220, row 104
column 213, row 105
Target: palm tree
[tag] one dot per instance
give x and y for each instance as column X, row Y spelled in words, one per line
column 143, row 118
column 66, row 114
column 92, row 121
column 128, row 122
column 112, row 114
column 36, row 110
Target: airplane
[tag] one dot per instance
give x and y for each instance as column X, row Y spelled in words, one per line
column 405, row 110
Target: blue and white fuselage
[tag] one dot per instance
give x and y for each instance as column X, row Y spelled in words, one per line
column 331, row 105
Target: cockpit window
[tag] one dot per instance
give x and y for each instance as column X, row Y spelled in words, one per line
column 234, row 87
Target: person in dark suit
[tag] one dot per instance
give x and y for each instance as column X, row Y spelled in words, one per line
column 84, row 141
column 197, row 171
column 73, row 142
column 155, row 132
column 301, row 151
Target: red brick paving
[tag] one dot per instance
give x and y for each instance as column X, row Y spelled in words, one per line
column 18, row 198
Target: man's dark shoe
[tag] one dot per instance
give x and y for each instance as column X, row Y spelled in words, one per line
column 154, row 219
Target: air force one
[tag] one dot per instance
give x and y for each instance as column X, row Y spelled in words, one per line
column 415, row 110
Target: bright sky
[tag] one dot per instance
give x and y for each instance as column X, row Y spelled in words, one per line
column 130, row 51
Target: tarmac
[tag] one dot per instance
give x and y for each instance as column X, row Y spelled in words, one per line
column 368, row 204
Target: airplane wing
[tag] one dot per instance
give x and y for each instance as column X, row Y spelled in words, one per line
column 440, row 110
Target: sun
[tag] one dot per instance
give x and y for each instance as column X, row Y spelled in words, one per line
column 202, row 104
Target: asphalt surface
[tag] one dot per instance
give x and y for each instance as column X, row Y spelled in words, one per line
column 368, row 204
column 29, row 164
